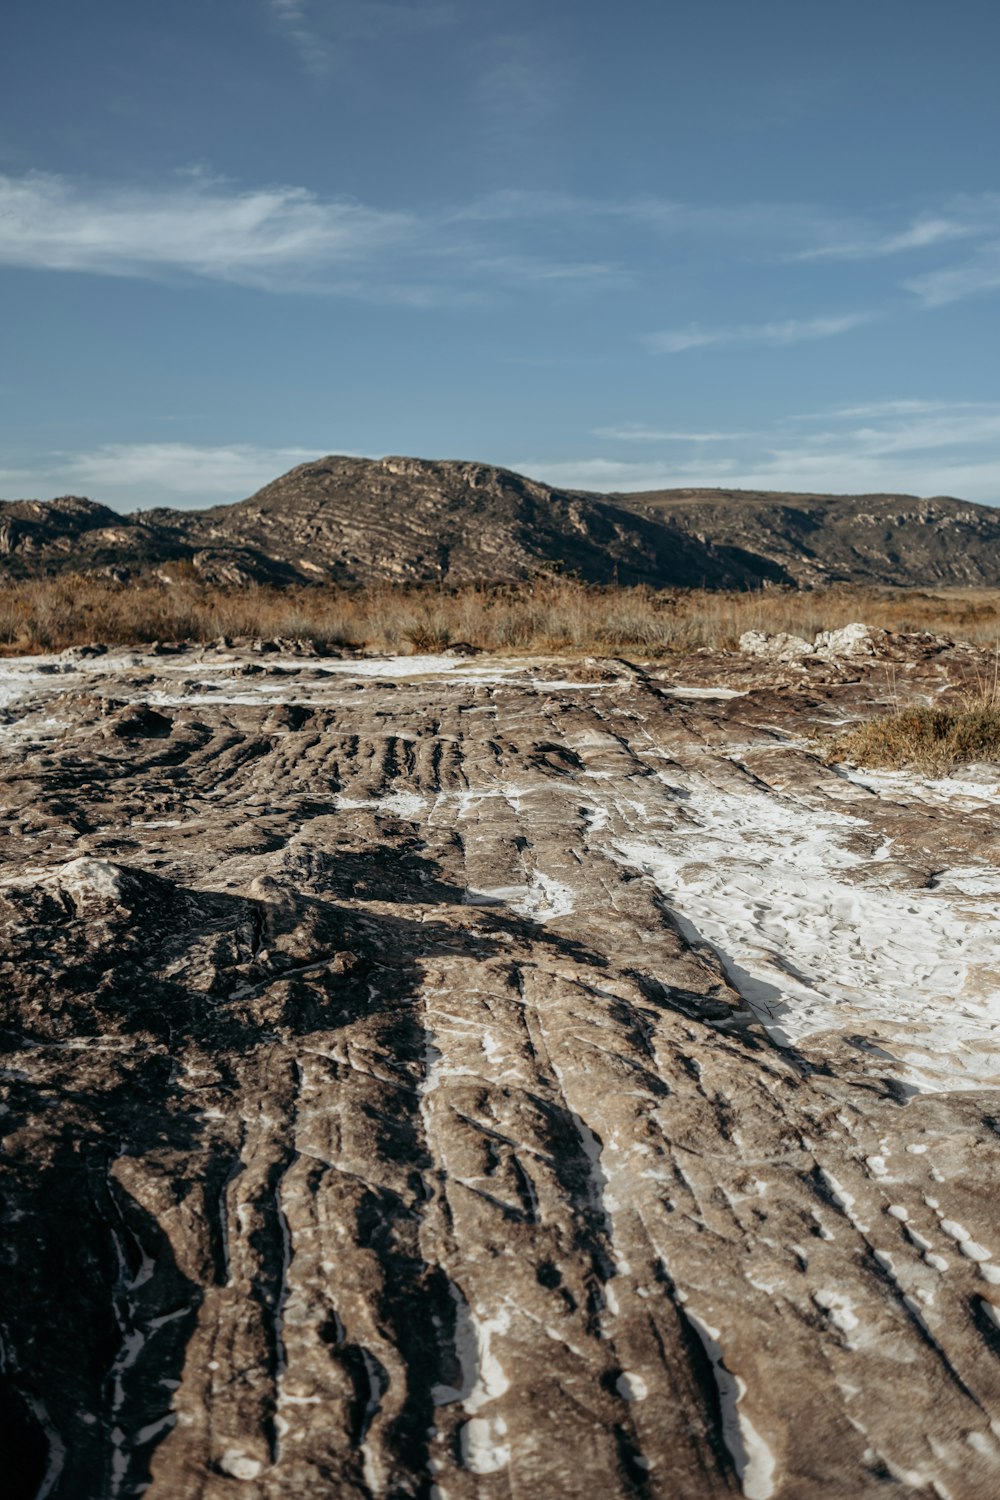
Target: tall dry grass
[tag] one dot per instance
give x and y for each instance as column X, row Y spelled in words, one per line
column 548, row 615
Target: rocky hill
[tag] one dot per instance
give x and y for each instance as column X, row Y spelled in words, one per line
column 816, row 539
column 404, row 520
column 351, row 520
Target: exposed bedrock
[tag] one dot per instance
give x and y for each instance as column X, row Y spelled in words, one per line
column 432, row 1085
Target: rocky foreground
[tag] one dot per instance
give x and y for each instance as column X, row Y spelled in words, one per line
column 461, row 1078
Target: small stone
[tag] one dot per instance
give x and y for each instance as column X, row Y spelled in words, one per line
column 238, row 1466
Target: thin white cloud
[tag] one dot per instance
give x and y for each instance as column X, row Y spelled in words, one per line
column 526, row 268
column 972, row 218
column 668, row 218
column 832, row 473
column 605, row 475
column 791, row 331
column 954, row 283
column 921, row 433
column 274, row 238
column 180, row 472
column 907, row 447
column 291, row 16
column 905, row 408
column 286, row 238
column 952, row 448
column 922, row 234
column 518, row 87
column 511, row 204
column 321, row 31
column 634, row 432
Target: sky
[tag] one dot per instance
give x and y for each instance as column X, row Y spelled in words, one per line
column 613, row 246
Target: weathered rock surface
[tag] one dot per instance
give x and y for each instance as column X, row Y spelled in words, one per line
column 777, row 646
column 850, row 643
column 470, row 1078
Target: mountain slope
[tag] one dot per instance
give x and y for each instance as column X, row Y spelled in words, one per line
column 885, row 539
column 404, row 520
column 416, row 521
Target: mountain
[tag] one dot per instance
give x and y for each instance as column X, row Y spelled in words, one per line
column 352, row 520
column 817, row 539
column 405, row 520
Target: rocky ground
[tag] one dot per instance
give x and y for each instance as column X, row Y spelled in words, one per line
column 469, row 1078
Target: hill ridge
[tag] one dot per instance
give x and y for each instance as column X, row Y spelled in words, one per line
column 356, row 521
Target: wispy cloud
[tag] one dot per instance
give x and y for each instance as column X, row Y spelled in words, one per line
column 922, row 234
column 284, row 238
column 275, row 239
column 971, row 278
column 980, row 271
column 137, row 476
column 971, row 219
column 753, row 223
column 830, row 473
column 790, row 331
column 904, row 446
column 634, row 432
column 519, row 86
column 291, row 16
column 321, row 31
column 271, row 238
column 905, row 408
column 180, row 472
column 527, row 268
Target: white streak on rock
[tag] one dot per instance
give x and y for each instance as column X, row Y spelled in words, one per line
column 838, row 1307
column 813, row 938
column 57, row 1448
column 483, row 1378
column 752, row 1458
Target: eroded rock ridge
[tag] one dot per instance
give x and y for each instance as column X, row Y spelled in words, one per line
column 451, row 1079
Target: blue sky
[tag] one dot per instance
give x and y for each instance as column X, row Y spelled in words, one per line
column 614, row 246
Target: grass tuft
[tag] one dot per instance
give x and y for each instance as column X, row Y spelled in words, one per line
column 933, row 741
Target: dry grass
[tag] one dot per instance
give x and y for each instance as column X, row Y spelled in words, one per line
column 548, row 615
column 930, row 740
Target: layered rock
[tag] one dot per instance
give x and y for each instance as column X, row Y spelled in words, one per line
column 461, row 1079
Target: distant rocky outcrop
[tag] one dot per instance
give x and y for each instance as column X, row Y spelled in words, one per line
column 403, row 520
column 894, row 540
